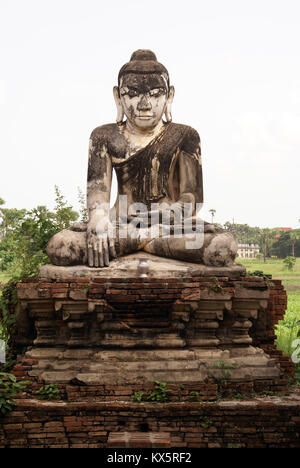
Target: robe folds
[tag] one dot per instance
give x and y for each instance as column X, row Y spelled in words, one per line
column 155, row 172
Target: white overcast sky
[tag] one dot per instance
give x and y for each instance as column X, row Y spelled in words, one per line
column 235, row 65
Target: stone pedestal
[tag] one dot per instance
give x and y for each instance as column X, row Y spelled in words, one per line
column 180, row 323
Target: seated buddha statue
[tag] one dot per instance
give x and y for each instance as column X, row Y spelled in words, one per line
column 159, row 174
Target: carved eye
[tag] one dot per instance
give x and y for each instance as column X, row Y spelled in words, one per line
column 157, row 92
column 132, row 93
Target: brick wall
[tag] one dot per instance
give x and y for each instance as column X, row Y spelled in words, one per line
column 264, row 422
column 89, row 414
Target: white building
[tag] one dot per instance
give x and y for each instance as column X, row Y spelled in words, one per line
column 248, row 250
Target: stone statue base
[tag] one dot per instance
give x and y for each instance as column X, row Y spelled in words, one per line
column 144, row 319
column 129, row 267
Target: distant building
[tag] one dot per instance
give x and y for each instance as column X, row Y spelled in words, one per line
column 248, row 250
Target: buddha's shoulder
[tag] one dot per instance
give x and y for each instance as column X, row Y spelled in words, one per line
column 184, row 130
column 105, row 132
column 189, row 136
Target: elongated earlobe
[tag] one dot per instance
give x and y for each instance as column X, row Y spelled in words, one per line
column 168, row 110
column 120, row 112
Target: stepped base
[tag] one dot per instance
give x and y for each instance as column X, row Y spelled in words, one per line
column 138, row 367
column 179, row 323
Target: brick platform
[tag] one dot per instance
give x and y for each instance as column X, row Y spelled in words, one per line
column 256, row 423
column 124, row 333
column 103, row 340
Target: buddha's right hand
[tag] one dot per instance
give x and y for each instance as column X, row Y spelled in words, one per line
column 100, row 242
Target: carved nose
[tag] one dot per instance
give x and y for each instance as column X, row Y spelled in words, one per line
column 144, row 104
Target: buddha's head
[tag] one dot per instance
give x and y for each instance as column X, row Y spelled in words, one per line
column 143, row 93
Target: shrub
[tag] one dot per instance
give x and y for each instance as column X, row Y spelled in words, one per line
column 9, row 388
column 48, row 392
column 289, row 263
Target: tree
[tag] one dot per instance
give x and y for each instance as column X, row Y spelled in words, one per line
column 268, row 238
column 289, row 263
column 213, row 212
column 25, row 235
column 282, row 246
column 294, row 236
column 65, row 214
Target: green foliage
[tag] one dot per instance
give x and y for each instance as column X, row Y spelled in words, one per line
column 23, row 239
column 221, row 377
column 8, row 300
column 205, row 422
column 24, row 235
column 160, row 394
column 261, row 274
column 257, row 273
column 48, row 392
column 137, row 397
column 289, row 263
column 216, row 288
column 288, row 329
column 194, row 396
column 288, row 243
column 238, row 396
column 64, row 214
column 9, row 388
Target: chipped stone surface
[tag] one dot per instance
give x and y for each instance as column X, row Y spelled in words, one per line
column 124, row 367
column 128, row 267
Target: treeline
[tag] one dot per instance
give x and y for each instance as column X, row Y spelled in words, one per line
column 272, row 242
column 24, row 234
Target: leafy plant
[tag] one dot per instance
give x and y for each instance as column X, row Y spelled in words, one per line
column 48, row 392
column 216, row 287
column 288, row 329
column 194, row 395
column 289, row 263
column 261, row 274
column 238, row 396
column 160, row 394
column 137, row 397
column 224, row 374
column 205, row 422
column 9, row 388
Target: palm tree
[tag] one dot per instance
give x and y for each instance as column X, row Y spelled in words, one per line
column 294, row 236
column 213, row 212
column 268, row 235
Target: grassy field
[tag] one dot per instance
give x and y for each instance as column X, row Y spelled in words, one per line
column 287, row 330
column 291, row 279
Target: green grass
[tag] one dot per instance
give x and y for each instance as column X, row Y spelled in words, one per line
column 290, row 279
column 287, row 329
